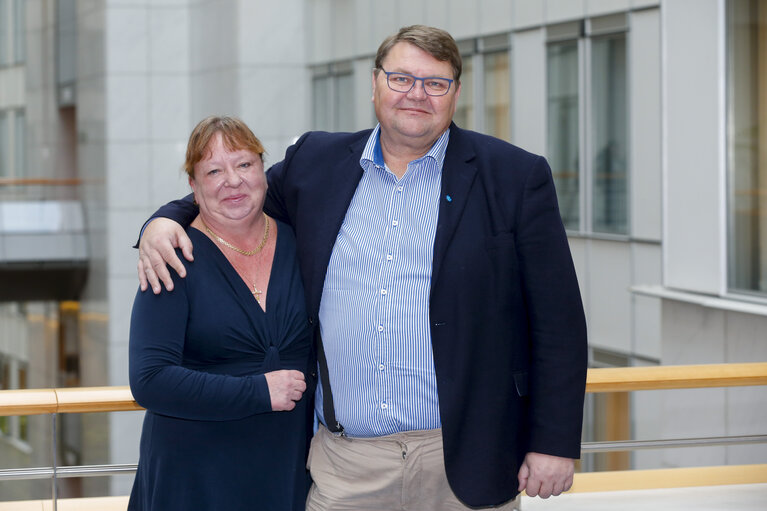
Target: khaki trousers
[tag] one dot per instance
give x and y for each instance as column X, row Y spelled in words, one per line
column 404, row 471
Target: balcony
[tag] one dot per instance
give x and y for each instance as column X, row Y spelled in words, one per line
column 742, row 487
column 35, row 215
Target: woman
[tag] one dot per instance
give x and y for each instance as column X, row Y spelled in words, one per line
column 219, row 363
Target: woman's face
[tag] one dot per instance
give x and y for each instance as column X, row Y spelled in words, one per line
column 228, row 185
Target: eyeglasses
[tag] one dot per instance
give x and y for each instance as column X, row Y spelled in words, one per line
column 403, row 82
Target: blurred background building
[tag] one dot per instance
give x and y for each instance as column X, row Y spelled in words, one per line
column 652, row 113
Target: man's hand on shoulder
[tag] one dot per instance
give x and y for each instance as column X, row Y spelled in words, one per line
column 544, row 475
column 157, row 247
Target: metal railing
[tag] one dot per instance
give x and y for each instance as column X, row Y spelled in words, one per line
column 114, row 399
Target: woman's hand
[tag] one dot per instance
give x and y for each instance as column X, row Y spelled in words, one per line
column 156, row 248
column 285, row 388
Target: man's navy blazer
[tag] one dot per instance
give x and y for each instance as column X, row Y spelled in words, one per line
column 507, row 325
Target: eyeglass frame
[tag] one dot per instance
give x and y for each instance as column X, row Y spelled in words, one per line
column 415, row 79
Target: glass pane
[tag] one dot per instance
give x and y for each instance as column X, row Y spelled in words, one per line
column 747, row 144
column 464, row 111
column 497, row 95
column 343, row 104
column 609, row 140
column 321, row 104
column 19, row 145
column 562, row 137
column 5, row 34
column 5, row 148
column 19, row 31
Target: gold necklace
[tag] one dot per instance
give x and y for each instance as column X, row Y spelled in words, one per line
column 239, row 250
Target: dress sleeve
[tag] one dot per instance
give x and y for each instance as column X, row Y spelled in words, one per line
column 161, row 384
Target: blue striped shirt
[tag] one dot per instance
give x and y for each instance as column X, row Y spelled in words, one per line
column 374, row 313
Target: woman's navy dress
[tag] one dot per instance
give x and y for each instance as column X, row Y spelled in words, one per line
column 197, row 357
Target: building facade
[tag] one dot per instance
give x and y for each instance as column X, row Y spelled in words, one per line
column 649, row 112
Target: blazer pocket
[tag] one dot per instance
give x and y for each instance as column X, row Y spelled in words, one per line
column 520, row 382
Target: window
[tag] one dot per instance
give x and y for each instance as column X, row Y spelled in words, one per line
column 587, row 123
column 747, row 144
column 19, row 31
column 5, row 144
column 464, row 110
column 609, row 138
column 497, row 94
column 12, row 143
column 333, row 97
column 563, row 133
column 12, row 32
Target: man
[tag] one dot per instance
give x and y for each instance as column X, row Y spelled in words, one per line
column 439, row 276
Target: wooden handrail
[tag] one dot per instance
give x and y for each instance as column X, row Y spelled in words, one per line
column 11, row 181
column 622, row 379
column 619, row 379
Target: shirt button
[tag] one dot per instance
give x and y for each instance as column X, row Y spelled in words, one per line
column 399, row 188
column 389, row 257
column 380, row 328
column 383, row 291
column 381, row 367
column 384, row 406
column 395, row 223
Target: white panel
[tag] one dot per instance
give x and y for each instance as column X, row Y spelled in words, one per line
column 600, row 7
column 495, row 16
column 364, row 114
column 169, row 107
column 91, row 45
column 437, row 14
column 693, row 235
column 213, row 35
column 127, row 107
column 272, row 32
column 12, row 87
column 169, row 40
column 266, row 108
column 693, row 335
column 528, row 92
column 214, row 92
column 127, row 40
column 167, row 180
column 463, row 19
column 386, row 22
column 746, row 406
column 128, row 173
column 609, row 282
column 564, row 10
column 343, row 31
column 646, row 321
column 578, row 249
column 121, row 236
column 645, row 124
column 411, row 12
column 527, row 13
column 365, row 42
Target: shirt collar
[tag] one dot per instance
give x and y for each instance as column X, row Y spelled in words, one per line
column 372, row 153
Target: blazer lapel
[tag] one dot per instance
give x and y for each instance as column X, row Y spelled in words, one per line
column 458, row 174
column 345, row 174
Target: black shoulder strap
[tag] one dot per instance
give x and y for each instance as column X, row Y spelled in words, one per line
column 328, row 409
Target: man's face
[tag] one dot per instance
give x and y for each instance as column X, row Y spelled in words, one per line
column 413, row 118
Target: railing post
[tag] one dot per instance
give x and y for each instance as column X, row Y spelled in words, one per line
column 55, row 464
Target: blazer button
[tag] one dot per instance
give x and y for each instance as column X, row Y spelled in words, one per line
column 311, row 320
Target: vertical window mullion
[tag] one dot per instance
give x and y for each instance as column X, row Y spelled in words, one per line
column 584, row 109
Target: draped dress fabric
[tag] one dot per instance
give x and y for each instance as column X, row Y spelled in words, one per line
column 197, row 358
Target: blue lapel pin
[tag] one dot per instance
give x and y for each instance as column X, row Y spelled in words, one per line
column 449, row 198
